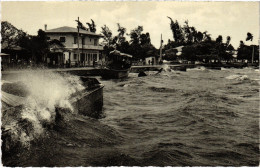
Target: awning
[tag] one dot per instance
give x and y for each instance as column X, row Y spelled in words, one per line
column 118, row 53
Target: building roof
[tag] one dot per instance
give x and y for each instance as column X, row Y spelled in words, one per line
column 3, row 54
column 179, row 48
column 67, row 29
column 118, row 53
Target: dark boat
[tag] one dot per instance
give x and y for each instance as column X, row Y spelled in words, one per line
column 90, row 102
column 114, row 74
column 118, row 66
column 179, row 68
column 215, row 68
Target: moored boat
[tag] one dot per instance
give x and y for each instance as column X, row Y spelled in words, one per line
column 118, row 66
column 90, row 101
column 178, row 67
column 114, row 74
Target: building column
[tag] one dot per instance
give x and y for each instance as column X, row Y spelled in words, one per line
column 85, row 59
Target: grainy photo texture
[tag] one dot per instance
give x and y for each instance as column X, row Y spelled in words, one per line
column 129, row 84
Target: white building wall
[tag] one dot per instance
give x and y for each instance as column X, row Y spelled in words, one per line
column 69, row 43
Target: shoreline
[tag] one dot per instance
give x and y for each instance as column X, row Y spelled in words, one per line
column 95, row 71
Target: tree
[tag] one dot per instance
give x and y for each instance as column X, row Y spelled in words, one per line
column 107, row 35
column 117, row 42
column 246, row 52
column 140, row 44
column 145, row 39
column 249, row 36
column 177, row 31
column 38, row 46
column 219, row 39
column 199, row 37
column 241, row 43
column 120, row 37
column 228, row 40
column 135, row 35
column 80, row 25
column 10, row 35
column 92, row 26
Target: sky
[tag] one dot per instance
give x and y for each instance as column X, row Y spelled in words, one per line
column 233, row 19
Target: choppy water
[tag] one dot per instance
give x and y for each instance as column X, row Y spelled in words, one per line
column 194, row 118
column 199, row 117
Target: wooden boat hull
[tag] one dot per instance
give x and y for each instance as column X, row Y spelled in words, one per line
column 215, row 68
column 89, row 103
column 179, row 68
column 114, row 74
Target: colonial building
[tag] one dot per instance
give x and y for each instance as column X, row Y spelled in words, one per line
column 85, row 53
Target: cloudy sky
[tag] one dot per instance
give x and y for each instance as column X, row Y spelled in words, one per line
column 218, row 18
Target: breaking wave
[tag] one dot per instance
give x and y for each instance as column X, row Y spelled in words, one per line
column 238, row 77
column 44, row 92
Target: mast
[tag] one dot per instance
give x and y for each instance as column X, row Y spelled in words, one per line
column 160, row 49
column 78, row 41
column 253, row 54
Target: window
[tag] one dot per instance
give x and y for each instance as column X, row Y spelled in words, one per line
column 75, row 40
column 82, row 57
column 75, row 56
column 83, row 40
column 95, row 42
column 90, row 39
column 62, row 39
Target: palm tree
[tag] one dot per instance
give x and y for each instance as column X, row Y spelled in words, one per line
column 228, row 40
column 92, row 26
column 80, row 25
column 241, row 44
column 121, row 32
column 199, row 36
column 107, row 35
column 250, row 37
column 206, row 36
column 219, row 39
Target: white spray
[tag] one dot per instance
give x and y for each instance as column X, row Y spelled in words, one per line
column 47, row 90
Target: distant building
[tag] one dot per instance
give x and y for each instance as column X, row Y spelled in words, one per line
column 14, row 56
column 89, row 48
column 151, row 60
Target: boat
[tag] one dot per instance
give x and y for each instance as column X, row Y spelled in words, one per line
column 178, row 67
column 215, row 68
column 118, row 65
column 114, row 74
column 88, row 102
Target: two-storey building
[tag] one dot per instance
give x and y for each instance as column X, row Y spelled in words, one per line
column 85, row 53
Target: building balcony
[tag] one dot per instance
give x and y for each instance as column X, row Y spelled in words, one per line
column 89, row 47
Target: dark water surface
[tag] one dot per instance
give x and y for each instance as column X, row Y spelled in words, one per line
column 194, row 118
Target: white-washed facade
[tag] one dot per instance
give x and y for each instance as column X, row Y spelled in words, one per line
column 89, row 48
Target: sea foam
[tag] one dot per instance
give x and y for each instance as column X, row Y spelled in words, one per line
column 47, row 91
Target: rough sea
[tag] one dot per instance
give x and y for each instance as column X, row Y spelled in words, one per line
column 196, row 118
